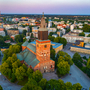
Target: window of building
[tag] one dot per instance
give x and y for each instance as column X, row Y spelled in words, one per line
column 51, row 66
column 45, row 46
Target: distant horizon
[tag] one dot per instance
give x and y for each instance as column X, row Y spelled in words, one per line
column 69, row 7
column 41, row 14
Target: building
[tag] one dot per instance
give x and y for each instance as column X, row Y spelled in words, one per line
column 77, row 31
column 12, row 31
column 35, row 31
column 71, row 37
column 87, row 45
column 38, row 57
column 59, row 26
column 23, row 28
column 79, row 43
column 1, row 29
column 2, row 33
column 59, row 33
column 80, row 49
column 9, row 26
column 49, row 23
column 55, row 35
column 72, row 27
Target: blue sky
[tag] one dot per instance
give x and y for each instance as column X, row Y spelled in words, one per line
column 46, row 6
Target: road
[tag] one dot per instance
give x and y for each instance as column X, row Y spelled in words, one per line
column 77, row 76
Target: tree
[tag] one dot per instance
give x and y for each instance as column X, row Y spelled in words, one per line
column 68, row 85
column 88, row 35
column 37, row 75
column 52, row 54
column 32, row 82
column 82, row 34
column 63, row 41
column 31, row 87
column 1, row 87
column 31, row 35
column 86, row 28
column 60, row 59
column 51, row 38
column 76, row 57
column 13, row 77
column 16, row 65
column 77, row 86
column 4, row 68
column 88, row 63
column 42, row 83
column 20, row 73
column 29, row 71
column 88, row 72
column 53, row 85
column 68, row 59
column 24, row 32
column 60, row 53
column 19, row 38
column 63, row 68
column 62, row 85
column 57, row 39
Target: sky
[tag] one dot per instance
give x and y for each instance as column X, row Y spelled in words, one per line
column 71, row 7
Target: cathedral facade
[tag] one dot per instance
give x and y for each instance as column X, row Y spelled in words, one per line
column 38, row 57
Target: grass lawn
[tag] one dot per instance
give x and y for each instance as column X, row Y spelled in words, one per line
column 22, row 83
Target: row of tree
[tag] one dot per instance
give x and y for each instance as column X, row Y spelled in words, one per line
column 78, row 62
column 52, row 84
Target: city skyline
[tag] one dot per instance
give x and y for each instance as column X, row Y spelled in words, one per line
column 74, row 7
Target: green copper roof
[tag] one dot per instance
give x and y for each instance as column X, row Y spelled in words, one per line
column 25, row 43
column 28, row 57
column 30, row 46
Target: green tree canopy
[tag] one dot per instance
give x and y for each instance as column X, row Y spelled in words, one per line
column 37, row 75
column 82, row 34
column 63, row 68
column 64, row 56
column 76, row 57
column 52, row 54
column 24, row 32
column 20, row 73
column 4, row 68
column 88, row 35
column 77, row 86
column 86, row 28
column 53, row 85
column 42, row 83
column 29, row 71
column 88, row 63
column 1, row 87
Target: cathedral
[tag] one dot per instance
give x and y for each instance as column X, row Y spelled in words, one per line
column 37, row 56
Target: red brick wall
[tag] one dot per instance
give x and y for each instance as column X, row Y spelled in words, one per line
column 42, row 52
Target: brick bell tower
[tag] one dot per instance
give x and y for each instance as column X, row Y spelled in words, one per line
column 42, row 43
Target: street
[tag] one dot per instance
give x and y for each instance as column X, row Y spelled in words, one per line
column 77, row 76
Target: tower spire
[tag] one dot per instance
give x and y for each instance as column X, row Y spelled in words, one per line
column 43, row 14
